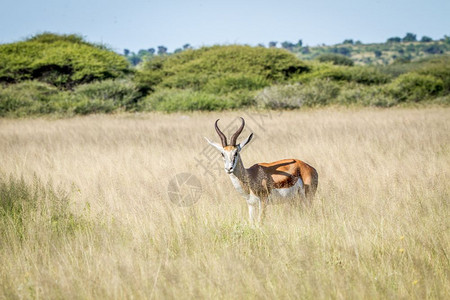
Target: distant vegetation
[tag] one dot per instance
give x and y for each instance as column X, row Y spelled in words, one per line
column 395, row 49
column 65, row 75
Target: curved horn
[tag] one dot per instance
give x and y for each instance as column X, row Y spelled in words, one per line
column 237, row 133
column 221, row 135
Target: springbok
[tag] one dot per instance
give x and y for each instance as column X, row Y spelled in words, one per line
column 263, row 183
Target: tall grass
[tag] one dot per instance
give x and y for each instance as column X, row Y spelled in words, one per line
column 378, row 227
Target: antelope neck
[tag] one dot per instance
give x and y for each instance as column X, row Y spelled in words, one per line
column 240, row 172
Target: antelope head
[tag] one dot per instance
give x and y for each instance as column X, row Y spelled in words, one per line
column 230, row 152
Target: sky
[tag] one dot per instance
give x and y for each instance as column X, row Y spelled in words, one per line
column 144, row 24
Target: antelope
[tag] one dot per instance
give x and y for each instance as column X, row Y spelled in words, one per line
column 264, row 183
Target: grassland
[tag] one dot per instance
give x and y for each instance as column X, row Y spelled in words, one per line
column 92, row 218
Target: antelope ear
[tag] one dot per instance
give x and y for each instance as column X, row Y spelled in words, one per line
column 246, row 141
column 215, row 145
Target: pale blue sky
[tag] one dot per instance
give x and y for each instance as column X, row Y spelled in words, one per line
column 143, row 24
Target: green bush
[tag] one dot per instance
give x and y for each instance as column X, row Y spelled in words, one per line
column 336, row 59
column 118, row 93
column 48, row 37
column 214, row 78
column 415, row 87
column 37, row 98
column 244, row 66
column 365, row 75
column 170, row 100
column 150, row 74
column 27, row 98
column 357, row 74
column 85, row 106
column 281, row 97
column 363, row 95
column 318, row 92
column 235, row 82
column 438, row 67
column 63, row 61
column 192, row 81
column 351, row 94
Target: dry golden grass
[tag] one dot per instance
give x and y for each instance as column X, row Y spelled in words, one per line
column 378, row 228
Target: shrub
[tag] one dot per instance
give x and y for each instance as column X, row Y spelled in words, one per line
column 336, row 59
column 363, row 95
column 84, row 105
column 351, row 94
column 415, row 87
column 193, row 69
column 63, row 61
column 318, row 92
column 219, row 77
column 438, row 67
column 192, row 81
column 48, row 37
column 170, row 100
column 357, row 74
column 235, row 82
column 280, row 97
column 365, row 75
column 35, row 98
column 27, row 98
column 150, row 74
column 119, row 93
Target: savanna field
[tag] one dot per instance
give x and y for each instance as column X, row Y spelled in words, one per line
column 85, row 209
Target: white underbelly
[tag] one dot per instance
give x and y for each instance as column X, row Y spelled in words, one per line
column 293, row 191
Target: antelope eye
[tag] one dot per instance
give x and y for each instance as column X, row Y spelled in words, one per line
column 222, row 154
